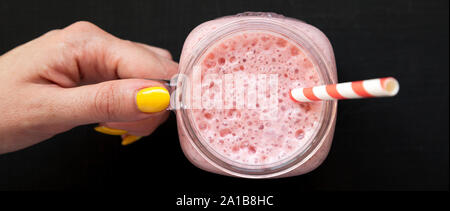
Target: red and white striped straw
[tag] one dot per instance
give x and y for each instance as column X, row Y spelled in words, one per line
column 380, row 87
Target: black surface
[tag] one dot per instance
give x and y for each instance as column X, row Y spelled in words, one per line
column 398, row 143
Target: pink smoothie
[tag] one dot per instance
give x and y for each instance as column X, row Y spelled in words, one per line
column 238, row 142
column 241, row 135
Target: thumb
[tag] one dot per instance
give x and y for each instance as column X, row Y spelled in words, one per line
column 114, row 101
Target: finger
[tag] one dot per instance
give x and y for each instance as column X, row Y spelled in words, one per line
column 132, row 131
column 87, row 54
column 129, row 139
column 149, row 65
column 111, row 101
column 141, row 127
column 160, row 51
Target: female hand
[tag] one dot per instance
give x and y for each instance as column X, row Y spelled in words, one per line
column 81, row 75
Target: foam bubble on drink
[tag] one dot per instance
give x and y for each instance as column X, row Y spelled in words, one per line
column 241, row 135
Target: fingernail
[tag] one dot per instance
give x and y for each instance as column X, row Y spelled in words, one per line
column 152, row 99
column 110, row 131
column 130, row 139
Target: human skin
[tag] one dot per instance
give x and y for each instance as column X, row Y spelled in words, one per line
column 81, row 75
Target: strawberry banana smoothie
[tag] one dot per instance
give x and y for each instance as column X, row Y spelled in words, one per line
column 263, row 133
column 242, row 135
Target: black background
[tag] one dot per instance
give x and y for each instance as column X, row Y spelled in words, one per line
column 398, row 143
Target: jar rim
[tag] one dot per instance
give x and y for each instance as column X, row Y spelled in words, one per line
column 327, row 117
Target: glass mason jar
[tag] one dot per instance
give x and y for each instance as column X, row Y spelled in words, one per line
column 311, row 41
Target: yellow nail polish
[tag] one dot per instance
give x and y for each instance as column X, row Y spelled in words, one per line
column 130, row 139
column 110, row 131
column 152, row 99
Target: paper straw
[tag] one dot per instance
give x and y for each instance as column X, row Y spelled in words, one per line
column 380, row 87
